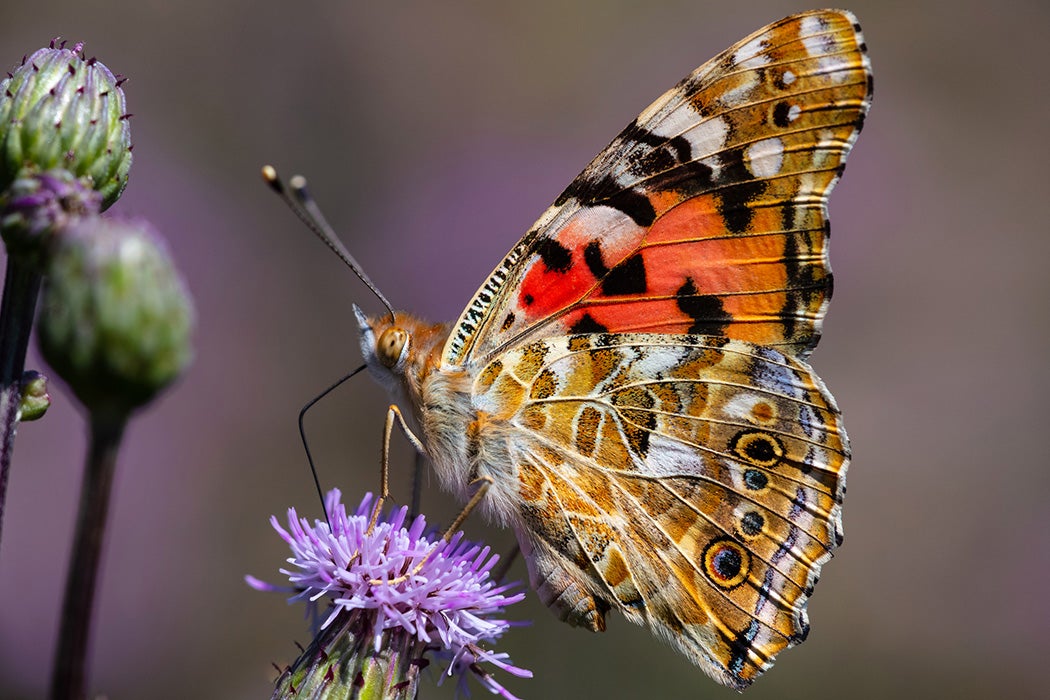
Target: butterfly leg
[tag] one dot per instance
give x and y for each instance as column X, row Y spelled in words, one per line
column 483, row 483
column 393, row 414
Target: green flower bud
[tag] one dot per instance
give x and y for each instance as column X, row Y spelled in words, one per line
column 115, row 317
column 59, row 111
column 35, row 400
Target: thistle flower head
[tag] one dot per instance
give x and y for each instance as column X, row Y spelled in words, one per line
column 60, row 111
column 400, row 578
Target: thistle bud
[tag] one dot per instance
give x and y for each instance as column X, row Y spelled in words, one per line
column 35, row 207
column 115, row 317
column 58, row 111
column 35, row 400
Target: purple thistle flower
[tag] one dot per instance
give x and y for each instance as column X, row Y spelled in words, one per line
column 399, row 587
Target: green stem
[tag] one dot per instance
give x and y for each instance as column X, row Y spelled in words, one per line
column 21, row 288
column 69, row 678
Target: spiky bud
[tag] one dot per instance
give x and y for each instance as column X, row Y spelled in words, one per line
column 59, row 111
column 115, row 317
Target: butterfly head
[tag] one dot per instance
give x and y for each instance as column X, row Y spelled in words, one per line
column 384, row 345
column 398, row 349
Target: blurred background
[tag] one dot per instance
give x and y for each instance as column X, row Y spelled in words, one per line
column 433, row 135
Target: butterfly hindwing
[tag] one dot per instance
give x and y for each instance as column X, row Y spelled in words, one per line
column 707, row 214
column 693, row 482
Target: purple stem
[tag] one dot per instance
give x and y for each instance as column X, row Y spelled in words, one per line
column 68, row 682
column 21, row 288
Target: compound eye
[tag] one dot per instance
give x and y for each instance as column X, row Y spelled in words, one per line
column 391, row 345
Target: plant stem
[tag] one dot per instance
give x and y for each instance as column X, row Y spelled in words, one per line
column 21, row 287
column 69, row 678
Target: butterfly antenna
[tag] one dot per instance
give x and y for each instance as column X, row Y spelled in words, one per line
column 306, row 209
column 306, row 446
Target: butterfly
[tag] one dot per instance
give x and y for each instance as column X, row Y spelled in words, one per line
column 629, row 390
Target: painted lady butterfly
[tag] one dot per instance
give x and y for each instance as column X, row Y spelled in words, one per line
column 629, row 388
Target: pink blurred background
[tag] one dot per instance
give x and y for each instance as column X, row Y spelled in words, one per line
column 433, row 134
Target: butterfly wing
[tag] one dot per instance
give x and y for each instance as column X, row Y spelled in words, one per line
column 693, row 482
column 707, row 214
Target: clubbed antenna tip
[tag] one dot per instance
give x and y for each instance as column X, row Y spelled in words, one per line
column 304, row 207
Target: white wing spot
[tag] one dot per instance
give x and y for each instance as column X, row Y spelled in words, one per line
column 707, row 137
column 793, row 112
column 789, row 77
column 765, row 158
column 655, row 361
column 750, row 51
column 617, row 230
column 837, row 67
column 812, row 24
column 704, row 136
column 676, row 122
column 821, row 45
column 669, row 457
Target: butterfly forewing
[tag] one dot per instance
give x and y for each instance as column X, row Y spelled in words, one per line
column 707, row 214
